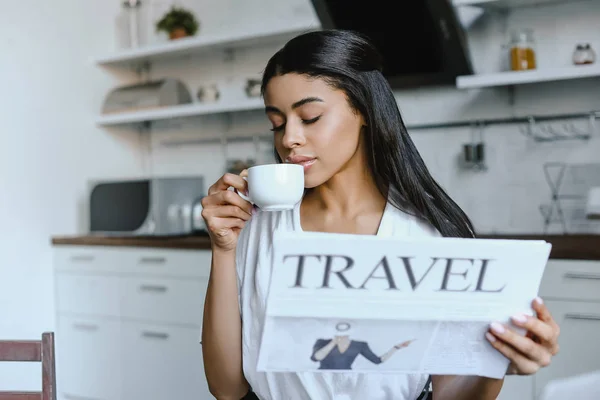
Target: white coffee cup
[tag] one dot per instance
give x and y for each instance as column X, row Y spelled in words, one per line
column 275, row 187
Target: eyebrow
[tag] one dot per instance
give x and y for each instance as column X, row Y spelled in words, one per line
column 297, row 104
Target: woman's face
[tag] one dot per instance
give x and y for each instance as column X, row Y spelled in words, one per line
column 314, row 126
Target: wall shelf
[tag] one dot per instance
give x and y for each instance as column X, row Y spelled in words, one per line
column 182, row 111
column 198, row 44
column 510, row 78
column 505, row 4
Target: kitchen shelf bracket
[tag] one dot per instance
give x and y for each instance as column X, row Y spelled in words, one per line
column 511, row 95
column 143, row 70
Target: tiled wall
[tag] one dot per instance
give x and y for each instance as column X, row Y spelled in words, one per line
column 504, row 198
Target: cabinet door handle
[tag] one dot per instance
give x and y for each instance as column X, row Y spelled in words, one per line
column 82, row 257
column 86, row 327
column 153, row 288
column 582, row 275
column 586, row 317
column 155, row 335
column 152, row 260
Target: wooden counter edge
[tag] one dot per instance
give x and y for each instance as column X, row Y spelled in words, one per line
column 565, row 247
column 175, row 242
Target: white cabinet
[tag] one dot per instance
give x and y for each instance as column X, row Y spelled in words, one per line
column 517, row 388
column 88, row 294
column 163, row 300
column 580, row 326
column 88, row 358
column 172, row 360
column 577, row 280
column 129, row 323
column 571, row 290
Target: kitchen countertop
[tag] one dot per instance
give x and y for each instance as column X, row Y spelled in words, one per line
column 573, row 247
column 567, row 247
column 165, row 242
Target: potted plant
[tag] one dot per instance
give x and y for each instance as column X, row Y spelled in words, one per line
column 178, row 23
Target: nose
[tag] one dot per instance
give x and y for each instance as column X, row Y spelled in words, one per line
column 293, row 136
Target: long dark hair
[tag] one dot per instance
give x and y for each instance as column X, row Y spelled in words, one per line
column 349, row 62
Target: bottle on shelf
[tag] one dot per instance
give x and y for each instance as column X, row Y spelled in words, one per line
column 522, row 50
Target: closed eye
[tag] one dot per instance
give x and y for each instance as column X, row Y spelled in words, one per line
column 304, row 121
column 311, row 121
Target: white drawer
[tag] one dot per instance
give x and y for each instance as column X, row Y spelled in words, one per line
column 579, row 326
column 87, row 294
column 165, row 262
column 129, row 260
column 162, row 362
column 88, row 358
column 571, row 280
column 95, row 259
column 163, row 300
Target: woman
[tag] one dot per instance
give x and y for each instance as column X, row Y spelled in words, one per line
column 333, row 112
column 341, row 351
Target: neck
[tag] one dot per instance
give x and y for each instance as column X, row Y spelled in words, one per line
column 351, row 191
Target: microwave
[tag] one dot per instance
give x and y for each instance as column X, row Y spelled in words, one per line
column 166, row 206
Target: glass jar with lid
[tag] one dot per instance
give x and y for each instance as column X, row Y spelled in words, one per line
column 522, row 50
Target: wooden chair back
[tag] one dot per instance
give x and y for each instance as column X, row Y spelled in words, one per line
column 32, row 351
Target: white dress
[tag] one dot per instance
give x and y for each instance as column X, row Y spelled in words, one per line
column 253, row 262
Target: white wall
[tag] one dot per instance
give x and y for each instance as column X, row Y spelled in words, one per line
column 49, row 146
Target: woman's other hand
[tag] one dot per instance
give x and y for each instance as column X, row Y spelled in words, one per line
column 226, row 212
column 533, row 351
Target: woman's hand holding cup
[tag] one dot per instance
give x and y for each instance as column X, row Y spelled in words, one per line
column 225, row 212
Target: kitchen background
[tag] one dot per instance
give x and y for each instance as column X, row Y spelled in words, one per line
column 50, row 145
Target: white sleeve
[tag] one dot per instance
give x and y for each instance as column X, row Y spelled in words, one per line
column 241, row 256
column 421, row 228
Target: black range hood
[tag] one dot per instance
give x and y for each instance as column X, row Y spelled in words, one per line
column 422, row 41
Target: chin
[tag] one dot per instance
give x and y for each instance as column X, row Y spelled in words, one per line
column 317, row 175
column 313, row 181
column 309, row 184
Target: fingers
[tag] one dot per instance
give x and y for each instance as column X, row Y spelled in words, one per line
column 226, row 197
column 543, row 313
column 540, row 329
column 226, row 181
column 223, row 226
column 533, row 351
column 226, row 211
column 519, row 349
column 519, row 363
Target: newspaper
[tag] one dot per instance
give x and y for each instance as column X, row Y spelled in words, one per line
column 340, row 303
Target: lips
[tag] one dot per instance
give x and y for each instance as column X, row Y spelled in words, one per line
column 304, row 161
column 299, row 159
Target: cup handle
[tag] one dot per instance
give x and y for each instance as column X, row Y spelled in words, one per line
column 242, row 195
